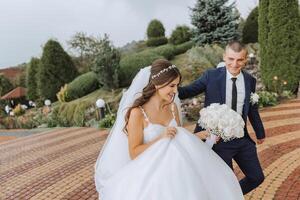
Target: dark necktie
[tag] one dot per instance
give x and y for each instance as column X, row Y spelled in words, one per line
column 234, row 95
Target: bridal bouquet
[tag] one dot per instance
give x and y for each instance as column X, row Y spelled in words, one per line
column 222, row 121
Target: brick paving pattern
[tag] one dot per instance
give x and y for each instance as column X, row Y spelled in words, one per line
column 59, row 164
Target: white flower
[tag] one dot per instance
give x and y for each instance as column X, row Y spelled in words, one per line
column 222, row 121
column 254, row 98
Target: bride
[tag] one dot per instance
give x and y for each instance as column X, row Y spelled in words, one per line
column 149, row 156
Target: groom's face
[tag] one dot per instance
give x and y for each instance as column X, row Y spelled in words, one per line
column 235, row 61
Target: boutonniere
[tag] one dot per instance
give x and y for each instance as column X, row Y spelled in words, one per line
column 254, row 97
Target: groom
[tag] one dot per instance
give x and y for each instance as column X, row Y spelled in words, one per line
column 232, row 86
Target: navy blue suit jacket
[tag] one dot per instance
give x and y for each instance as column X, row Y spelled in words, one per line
column 213, row 84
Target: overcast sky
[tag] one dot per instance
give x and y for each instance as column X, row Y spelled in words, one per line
column 25, row 25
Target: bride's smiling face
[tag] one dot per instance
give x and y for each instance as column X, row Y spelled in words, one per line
column 168, row 91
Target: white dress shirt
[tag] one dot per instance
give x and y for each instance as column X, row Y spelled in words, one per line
column 240, row 86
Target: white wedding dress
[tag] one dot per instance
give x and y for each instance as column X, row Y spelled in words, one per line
column 182, row 168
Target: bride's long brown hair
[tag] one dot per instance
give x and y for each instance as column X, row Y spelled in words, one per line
column 164, row 79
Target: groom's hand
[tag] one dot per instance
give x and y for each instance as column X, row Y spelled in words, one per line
column 218, row 139
column 260, row 141
column 202, row 134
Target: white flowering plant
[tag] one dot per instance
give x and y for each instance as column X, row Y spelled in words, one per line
column 220, row 120
column 254, row 98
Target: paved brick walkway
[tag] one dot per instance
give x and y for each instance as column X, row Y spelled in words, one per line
column 59, row 164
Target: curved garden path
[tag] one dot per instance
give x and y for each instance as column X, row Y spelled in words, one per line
column 59, row 164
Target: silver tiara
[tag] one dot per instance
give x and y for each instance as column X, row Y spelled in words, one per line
column 163, row 71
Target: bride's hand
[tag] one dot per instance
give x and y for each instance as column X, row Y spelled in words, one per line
column 169, row 132
column 202, row 134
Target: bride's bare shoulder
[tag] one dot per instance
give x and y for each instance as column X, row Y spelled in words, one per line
column 136, row 119
column 135, row 114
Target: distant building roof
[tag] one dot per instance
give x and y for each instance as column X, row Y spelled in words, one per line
column 15, row 93
column 12, row 72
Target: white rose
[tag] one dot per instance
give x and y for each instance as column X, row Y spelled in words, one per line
column 254, row 98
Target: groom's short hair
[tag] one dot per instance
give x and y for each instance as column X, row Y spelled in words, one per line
column 236, row 46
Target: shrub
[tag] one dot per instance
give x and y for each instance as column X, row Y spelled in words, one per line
column 80, row 111
column 130, row 65
column 2, row 126
column 267, row 98
column 25, row 122
column 18, row 110
column 286, row 94
column 156, row 34
column 167, row 51
column 82, row 86
column 206, row 56
column 54, row 120
column 182, row 48
column 155, row 29
column 61, row 95
column 180, row 35
column 9, row 122
column 153, row 42
column 79, row 116
column 195, row 61
column 108, row 121
column 65, row 113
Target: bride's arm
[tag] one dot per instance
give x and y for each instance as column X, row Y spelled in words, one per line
column 135, row 134
column 202, row 134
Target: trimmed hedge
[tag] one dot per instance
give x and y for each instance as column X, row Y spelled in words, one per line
column 130, row 65
column 182, row 48
column 155, row 29
column 157, row 41
column 167, row 51
column 79, row 87
column 82, row 85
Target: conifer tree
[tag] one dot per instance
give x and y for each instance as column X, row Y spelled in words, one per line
column 215, row 22
column 56, row 69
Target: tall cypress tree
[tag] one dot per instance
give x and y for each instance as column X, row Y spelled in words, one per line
column 250, row 30
column 31, row 78
column 215, row 22
column 280, row 46
column 263, row 31
column 56, row 69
